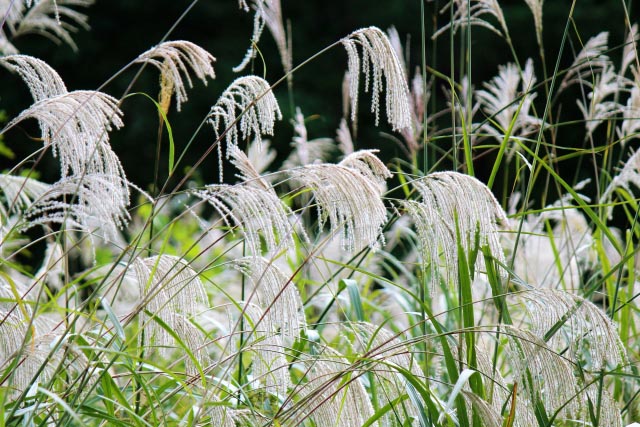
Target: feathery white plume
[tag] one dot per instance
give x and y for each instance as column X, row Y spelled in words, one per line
column 343, row 137
column 258, row 111
column 276, row 295
column 557, row 257
column 19, row 192
column 543, row 373
column 173, row 58
column 54, row 19
column 351, row 200
column 586, row 329
column 334, row 396
column 256, row 211
column 472, row 13
column 630, row 174
column 258, row 27
column 43, row 81
column 508, row 94
column 272, row 15
column 269, row 364
column 305, row 151
column 630, row 126
column 607, row 83
column 445, row 197
column 380, row 345
column 95, row 203
column 76, row 125
column 629, row 52
column 589, row 61
column 173, row 292
column 536, row 9
column 369, row 165
column 378, row 59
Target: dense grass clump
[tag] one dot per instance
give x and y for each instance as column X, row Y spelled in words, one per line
column 475, row 280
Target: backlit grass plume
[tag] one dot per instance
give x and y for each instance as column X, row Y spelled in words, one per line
column 350, row 199
column 174, row 59
column 246, row 109
column 370, row 51
column 449, row 198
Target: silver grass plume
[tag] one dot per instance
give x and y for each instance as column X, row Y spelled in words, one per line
column 173, row 292
column 19, row 193
column 369, row 165
column 6, row 48
column 630, row 174
column 497, row 394
column 334, row 395
column 445, row 197
column 255, row 210
column 597, row 109
column 54, row 19
column 629, row 52
column 590, row 60
column 542, row 373
column 258, row 27
column 261, row 157
column 607, row 407
column 384, row 350
column 378, row 60
column 76, row 125
column 536, row 9
column 43, row 81
column 343, row 138
column 272, row 15
column 559, row 256
column 586, row 329
column 630, row 126
column 277, row 295
column 306, row 151
column 269, row 364
column 350, row 199
column 94, row 203
column 503, row 96
column 258, row 111
column 173, row 59
column 472, row 13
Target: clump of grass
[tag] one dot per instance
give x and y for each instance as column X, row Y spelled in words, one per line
column 331, row 292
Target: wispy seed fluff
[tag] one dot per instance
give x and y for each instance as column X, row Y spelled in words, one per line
column 378, row 59
column 247, row 108
column 350, row 198
column 172, row 292
column 277, row 295
column 334, row 395
column 586, row 328
column 43, row 81
column 173, row 58
column 542, row 372
column 269, row 364
column 76, row 125
column 628, row 176
column 386, row 350
column 256, row 211
column 54, row 19
column 447, row 196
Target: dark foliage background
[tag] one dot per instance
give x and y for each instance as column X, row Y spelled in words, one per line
column 122, row 29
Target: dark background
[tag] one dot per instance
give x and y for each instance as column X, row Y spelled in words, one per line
column 122, row 29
